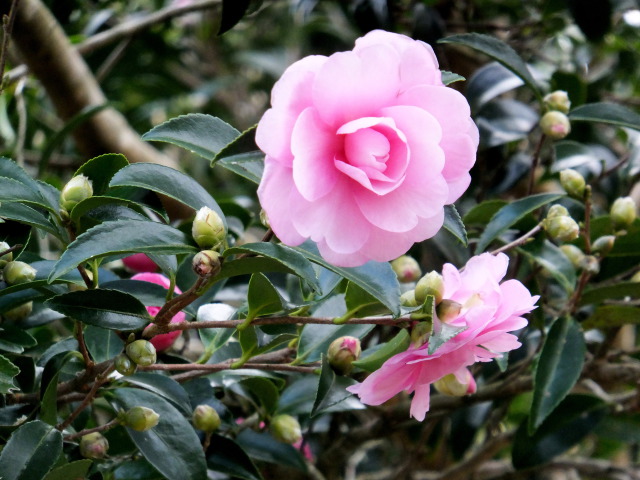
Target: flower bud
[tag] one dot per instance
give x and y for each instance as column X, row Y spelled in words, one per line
column 555, row 125
column 603, row 245
column 140, row 419
column 206, row 418
column 408, row 299
column 558, row 100
column 18, row 272
column 623, row 212
column 76, row 190
column 264, row 219
column 590, row 264
column 635, row 278
column 342, row 353
column 573, row 182
column 574, row 254
column 141, row 352
column 562, row 229
column 450, row 385
column 420, row 333
column 448, row 310
column 18, row 314
column 206, row 263
column 208, row 229
column 430, row 284
column 94, row 445
column 124, row 365
column 7, row 257
column 557, row 211
column 285, row 428
column 406, row 269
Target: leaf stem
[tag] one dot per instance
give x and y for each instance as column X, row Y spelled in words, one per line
column 113, row 423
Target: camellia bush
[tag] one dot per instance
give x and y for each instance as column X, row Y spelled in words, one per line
column 398, row 272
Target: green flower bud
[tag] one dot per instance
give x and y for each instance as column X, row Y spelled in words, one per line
column 555, row 125
column 623, row 212
column 450, row 385
column 590, row 264
column 448, row 310
column 206, row 418
column 77, row 189
column 208, row 229
column 206, row 263
column 408, row 299
column 18, row 272
column 406, row 269
column 557, row 211
column 18, row 314
column 264, row 219
column 603, row 245
column 94, row 445
column 420, row 333
column 342, row 353
column 558, row 100
column 285, row 428
column 430, row 284
column 140, row 419
column 562, row 229
column 124, row 365
column 142, row 352
column 7, row 257
column 574, row 254
column 573, row 182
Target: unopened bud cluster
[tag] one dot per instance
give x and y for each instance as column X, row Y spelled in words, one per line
column 555, row 123
column 79, row 188
column 136, row 352
column 559, row 225
column 342, row 353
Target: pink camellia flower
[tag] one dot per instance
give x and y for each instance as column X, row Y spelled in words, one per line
column 165, row 340
column 363, row 150
column 490, row 310
column 139, row 262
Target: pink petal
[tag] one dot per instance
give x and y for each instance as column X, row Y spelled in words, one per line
column 420, row 402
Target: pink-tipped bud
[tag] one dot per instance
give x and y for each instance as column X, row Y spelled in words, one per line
column 140, row 419
column 18, row 314
column 573, row 182
column 555, row 125
column 7, row 257
column 452, row 386
column 208, row 229
column 124, row 365
column 141, row 352
column 94, row 446
column 342, row 353
column 623, row 212
column 18, row 272
column 206, row 418
column 558, row 100
column 206, row 263
column 77, row 189
column 406, row 269
column 574, row 254
column 430, row 284
column 448, row 310
column 286, row 429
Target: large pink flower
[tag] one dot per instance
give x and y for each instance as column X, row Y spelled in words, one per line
column 490, row 310
column 165, row 340
column 363, row 150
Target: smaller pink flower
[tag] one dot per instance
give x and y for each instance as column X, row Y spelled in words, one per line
column 139, row 262
column 165, row 340
column 490, row 310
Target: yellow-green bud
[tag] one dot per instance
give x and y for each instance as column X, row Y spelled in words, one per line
column 448, row 310
column 590, row 264
column 342, row 353
column 94, row 446
column 264, row 219
column 206, row 418
column 7, row 257
column 124, row 365
column 562, row 229
column 206, row 263
column 450, row 385
column 77, row 189
column 285, row 428
column 558, row 100
column 635, row 278
column 140, row 419
column 555, row 125
column 603, row 245
column 420, row 333
column 574, row 254
column 557, row 211
column 573, row 182
column 406, row 269
column 430, row 284
column 623, row 212
column 18, row 314
column 16, row 272
column 408, row 299
column 208, row 229
column 142, row 352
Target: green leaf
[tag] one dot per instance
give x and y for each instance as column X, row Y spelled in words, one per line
column 618, row 291
column 508, row 215
column 603, row 112
column 73, row 470
column 97, row 201
column 557, row 370
column 248, row 165
column 551, row 258
column 102, row 344
column 166, row 181
column 15, row 191
column 245, row 143
column 263, row 392
column 250, row 265
column 164, row 386
column 449, row 77
column 172, row 446
column 611, row 316
column 482, row 212
column 232, row 13
column 14, row 339
column 499, row 51
column 290, row 258
column 315, row 339
column 373, row 358
column 201, row 134
column 226, row 456
column 362, row 304
column 569, row 423
column 299, row 397
column 123, row 236
column 30, row 452
column 29, row 216
column 103, row 308
column 262, row 298
column 375, row 278
column 331, row 389
column 265, row 448
column 101, row 169
column 8, row 371
column 453, row 224
column 150, row 294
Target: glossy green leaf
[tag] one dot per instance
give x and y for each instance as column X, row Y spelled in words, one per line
column 123, row 236
column 14, row 339
column 250, row 265
column 290, row 258
column 362, row 304
column 15, row 191
column 164, row 386
column 103, row 308
column 570, row 422
column 101, row 169
column 8, row 371
column 299, row 397
column 611, row 316
column 557, row 370
column 29, row 216
column 483, row 212
column 201, row 134
column 315, row 339
column 244, row 143
column 70, row 471
column 262, row 298
column 247, row 165
column 150, row 294
column 508, row 215
column 449, row 77
column 499, row 51
column 31, row 452
column 226, row 456
column 91, row 203
column 172, row 446
column 103, row 344
column 453, row 224
column 331, row 389
column 10, row 169
column 232, row 13
column 265, row 448
column 550, row 257
column 373, row 358
column 603, row 112
column 618, row 291
column 263, row 392
column 166, row 181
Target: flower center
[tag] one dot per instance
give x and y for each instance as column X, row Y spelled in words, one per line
column 367, row 149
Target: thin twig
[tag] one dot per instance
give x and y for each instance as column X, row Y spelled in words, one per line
column 534, row 163
column 218, row 367
column 17, row 246
column 518, row 241
column 113, row 423
column 83, row 346
column 7, row 28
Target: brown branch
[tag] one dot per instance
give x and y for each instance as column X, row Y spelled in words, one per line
column 113, row 423
column 218, row 367
column 17, row 246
